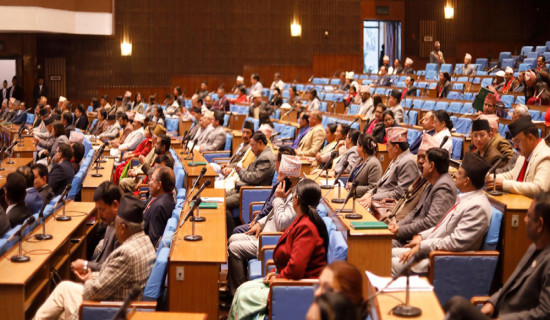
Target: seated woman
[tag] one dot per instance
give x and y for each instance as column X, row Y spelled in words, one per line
column 301, row 253
column 369, row 170
column 331, row 145
column 377, row 120
column 142, row 149
column 332, row 306
column 443, row 126
column 159, row 117
column 379, row 133
column 444, row 85
column 344, row 278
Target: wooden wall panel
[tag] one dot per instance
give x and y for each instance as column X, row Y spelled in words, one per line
column 55, row 67
column 331, row 65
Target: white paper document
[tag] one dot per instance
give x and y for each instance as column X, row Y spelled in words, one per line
column 415, row 283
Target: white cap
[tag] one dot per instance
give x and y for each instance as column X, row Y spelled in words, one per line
column 62, row 99
column 349, row 75
column 468, row 56
column 500, row 74
column 139, row 118
column 285, row 106
column 266, row 129
column 257, row 94
column 386, row 58
column 509, row 70
column 240, row 78
column 127, row 94
column 408, row 61
column 76, row 137
column 364, row 88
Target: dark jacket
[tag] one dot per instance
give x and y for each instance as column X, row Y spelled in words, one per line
column 110, row 243
column 61, row 175
column 157, row 212
column 33, row 200
column 18, row 214
column 4, row 222
column 82, row 122
column 20, row 118
column 46, row 193
column 444, row 91
column 36, row 93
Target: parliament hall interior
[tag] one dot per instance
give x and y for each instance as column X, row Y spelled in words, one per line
column 280, row 160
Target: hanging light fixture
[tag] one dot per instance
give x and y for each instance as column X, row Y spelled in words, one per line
column 295, row 29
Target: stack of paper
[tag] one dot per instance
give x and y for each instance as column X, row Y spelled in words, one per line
column 415, row 283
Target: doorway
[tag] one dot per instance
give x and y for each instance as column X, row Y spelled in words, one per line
column 380, row 38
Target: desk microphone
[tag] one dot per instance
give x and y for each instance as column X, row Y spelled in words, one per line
column 338, row 199
column 132, row 296
column 43, row 235
column 61, row 200
column 204, row 186
column 493, row 170
column 20, row 257
column 197, row 181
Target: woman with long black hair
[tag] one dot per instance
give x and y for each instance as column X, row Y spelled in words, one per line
column 301, row 253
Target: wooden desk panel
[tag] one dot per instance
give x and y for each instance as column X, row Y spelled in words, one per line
column 383, row 156
column 426, row 301
column 24, row 150
column 367, row 249
column 200, row 262
column 25, row 286
column 168, row 316
column 89, row 184
column 513, row 240
column 192, row 173
column 237, row 140
column 184, row 125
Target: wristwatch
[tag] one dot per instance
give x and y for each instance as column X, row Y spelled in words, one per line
column 85, row 266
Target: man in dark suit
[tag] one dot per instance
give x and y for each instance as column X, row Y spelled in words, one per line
column 15, row 91
column 526, row 293
column 67, row 120
column 20, row 116
column 40, row 173
column 81, row 121
column 4, row 222
column 40, row 90
column 410, row 89
column 159, row 206
column 5, row 91
column 33, row 200
column 14, row 189
column 62, row 172
column 383, row 78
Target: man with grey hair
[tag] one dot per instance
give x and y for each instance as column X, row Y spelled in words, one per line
column 520, row 111
column 468, row 69
column 313, row 141
column 126, row 267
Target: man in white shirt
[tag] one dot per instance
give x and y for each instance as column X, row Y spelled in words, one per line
column 172, row 106
column 256, row 85
column 216, row 139
column 135, row 137
column 277, row 82
column 366, row 107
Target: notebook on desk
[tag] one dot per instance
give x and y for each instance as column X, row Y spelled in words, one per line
column 365, row 225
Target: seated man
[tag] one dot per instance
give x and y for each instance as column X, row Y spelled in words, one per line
column 259, row 173
column 127, row 267
column 437, row 198
column 214, row 141
column 489, row 146
column 172, row 106
column 40, row 172
column 107, row 201
column 162, row 145
column 242, row 155
column 14, row 191
column 428, row 128
column 401, row 172
column 159, row 206
column 525, row 294
column 462, row 228
column 203, row 131
column 125, row 129
column 136, row 136
column 410, row 199
column 62, row 171
column 304, row 127
column 33, row 200
column 314, row 139
column 244, row 246
column 531, row 173
column 111, row 129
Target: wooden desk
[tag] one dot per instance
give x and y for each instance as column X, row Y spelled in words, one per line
column 25, row 286
column 26, row 150
column 89, row 184
column 513, row 237
column 367, row 249
column 9, row 168
column 192, row 173
column 236, row 121
column 292, row 116
column 426, row 301
column 184, row 125
column 168, row 316
column 199, row 261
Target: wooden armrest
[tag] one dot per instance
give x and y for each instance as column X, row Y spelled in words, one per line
column 253, row 203
column 262, row 257
column 221, row 159
column 216, row 151
column 268, row 264
column 255, row 214
column 152, row 305
column 477, row 300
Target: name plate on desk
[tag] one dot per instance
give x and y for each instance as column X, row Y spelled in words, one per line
column 366, row 225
